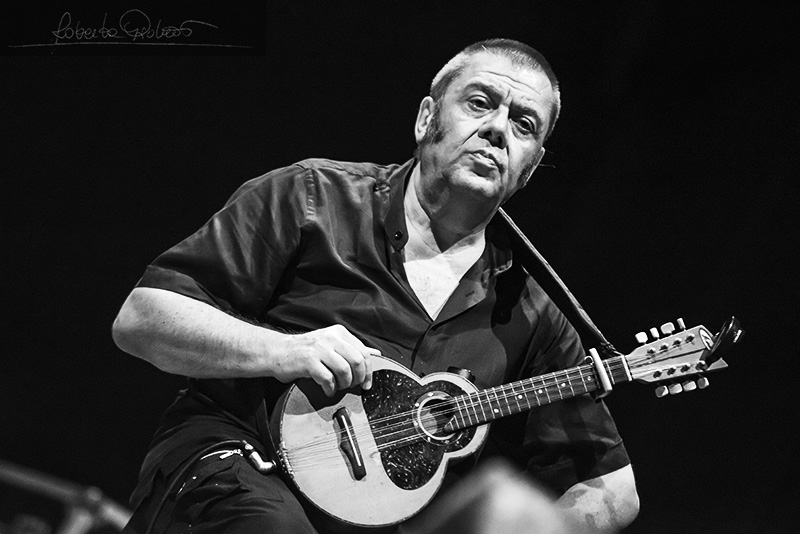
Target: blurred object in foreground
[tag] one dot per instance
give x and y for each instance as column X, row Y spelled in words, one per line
column 85, row 507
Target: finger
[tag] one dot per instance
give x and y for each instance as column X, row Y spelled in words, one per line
column 357, row 361
column 324, row 377
column 361, row 365
column 367, row 384
column 340, row 368
column 356, row 354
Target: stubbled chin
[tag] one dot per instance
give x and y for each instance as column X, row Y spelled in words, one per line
column 478, row 184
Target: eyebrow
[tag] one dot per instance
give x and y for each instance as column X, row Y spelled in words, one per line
column 493, row 91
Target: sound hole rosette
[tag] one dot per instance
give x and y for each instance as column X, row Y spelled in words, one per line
column 432, row 412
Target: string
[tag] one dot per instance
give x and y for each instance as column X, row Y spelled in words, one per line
column 401, row 422
column 386, row 429
column 397, row 429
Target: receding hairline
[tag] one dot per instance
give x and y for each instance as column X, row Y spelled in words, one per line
column 520, row 55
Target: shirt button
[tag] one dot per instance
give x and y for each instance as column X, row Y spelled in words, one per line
column 398, row 235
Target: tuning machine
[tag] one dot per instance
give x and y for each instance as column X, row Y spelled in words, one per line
column 666, row 329
column 679, row 387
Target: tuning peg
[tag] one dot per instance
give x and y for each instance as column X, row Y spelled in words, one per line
column 654, row 333
column 681, row 324
column 641, row 337
column 674, row 389
column 662, row 391
column 702, row 382
column 689, row 385
column 667, row 328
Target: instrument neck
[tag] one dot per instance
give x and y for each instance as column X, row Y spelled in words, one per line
column 494, row 403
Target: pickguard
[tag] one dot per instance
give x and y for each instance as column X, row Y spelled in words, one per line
column 410, row 460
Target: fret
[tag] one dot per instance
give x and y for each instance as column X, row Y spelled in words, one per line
column 530, row 396
column 484, row 405
column 559, row 383
column 500, row 401
column 541, row 390
column 586, row 387
column 504, row 400
column 535, row 392
column 527, row 395
column 609, row 371
column 474, row 402
column 497, row 409
column 548, row 387
column 571, row 388
column 518, row 397
column 583, row 379
column 463, row 413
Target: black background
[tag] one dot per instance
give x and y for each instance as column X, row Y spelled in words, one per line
column 668, row 190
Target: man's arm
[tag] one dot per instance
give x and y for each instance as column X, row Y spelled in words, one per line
column 604, row 504
column 184, row 336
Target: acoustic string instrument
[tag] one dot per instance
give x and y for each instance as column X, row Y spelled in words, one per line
column 374, row 458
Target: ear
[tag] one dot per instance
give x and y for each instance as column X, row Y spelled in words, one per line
column 536, row 160
column 424, row 116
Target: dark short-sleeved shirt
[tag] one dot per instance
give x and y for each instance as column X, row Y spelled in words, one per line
column 321, row 243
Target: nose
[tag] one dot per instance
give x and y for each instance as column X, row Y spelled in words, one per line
column 495, row 128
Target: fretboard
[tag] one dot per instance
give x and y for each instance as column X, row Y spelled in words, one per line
column 493, row 403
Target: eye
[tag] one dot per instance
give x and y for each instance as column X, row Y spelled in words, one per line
column 479, row 103
column 527, row 126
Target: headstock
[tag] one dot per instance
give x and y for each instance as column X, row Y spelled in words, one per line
column 678, row 359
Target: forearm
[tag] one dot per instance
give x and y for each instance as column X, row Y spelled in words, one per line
column 181, row 335
column 604, row 504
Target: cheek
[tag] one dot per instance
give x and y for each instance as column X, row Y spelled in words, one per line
column 523, row 160
column 516, row 164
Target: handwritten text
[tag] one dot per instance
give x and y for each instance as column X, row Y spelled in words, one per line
column 134, row 26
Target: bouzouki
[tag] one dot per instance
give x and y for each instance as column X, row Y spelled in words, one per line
column 374, row 458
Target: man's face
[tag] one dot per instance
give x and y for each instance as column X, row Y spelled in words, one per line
column 485, row 135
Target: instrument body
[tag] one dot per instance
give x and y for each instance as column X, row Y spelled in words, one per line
column 404, row 462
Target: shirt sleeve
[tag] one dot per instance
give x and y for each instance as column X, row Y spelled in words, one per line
column 565, row 442
column 235, row 260
column 573, row 440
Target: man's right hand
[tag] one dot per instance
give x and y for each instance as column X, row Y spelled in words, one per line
column 332, row 357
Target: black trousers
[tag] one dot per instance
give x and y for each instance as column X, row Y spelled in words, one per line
column 226, row 494
column 221, row 494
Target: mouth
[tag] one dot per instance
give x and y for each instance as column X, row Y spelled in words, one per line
column 487, row 159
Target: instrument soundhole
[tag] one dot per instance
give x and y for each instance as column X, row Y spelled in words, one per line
column 434, row 411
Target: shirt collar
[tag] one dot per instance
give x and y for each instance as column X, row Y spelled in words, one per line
column 496, row 259
column 395, row 220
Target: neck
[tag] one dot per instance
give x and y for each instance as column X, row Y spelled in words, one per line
column 497, row 402
column 449, row 221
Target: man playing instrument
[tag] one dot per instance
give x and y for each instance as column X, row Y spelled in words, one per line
column 314, row 270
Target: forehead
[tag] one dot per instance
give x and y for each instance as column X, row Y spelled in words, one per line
column 500, row 72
